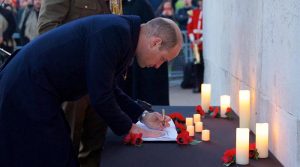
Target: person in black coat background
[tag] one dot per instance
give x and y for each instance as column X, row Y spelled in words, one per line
column 143, row 83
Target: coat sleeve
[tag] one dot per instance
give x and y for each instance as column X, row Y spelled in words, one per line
column 105, row 51
column 52, row 13
column 129, row 106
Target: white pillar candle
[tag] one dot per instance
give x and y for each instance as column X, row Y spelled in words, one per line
column 198, row 126
column 224, row 103
column 190, row 129
column 244, row 108
column 189, row 121
column 197, row 118
column 262, row 143
column 205, row 96
column 242, row 146
column 205, row 135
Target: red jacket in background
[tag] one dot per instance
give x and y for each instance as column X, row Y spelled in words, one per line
column 195, row 26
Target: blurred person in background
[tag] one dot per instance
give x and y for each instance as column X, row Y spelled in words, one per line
column 182, row 15
column 195, row 31
column 165, row 10
column 8, row 42
column 10, row 5
column 3, row 27
column 22, row 7
column 28, row 24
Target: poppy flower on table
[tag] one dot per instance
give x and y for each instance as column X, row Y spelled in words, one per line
column 184, row 138
column 210, row 108
column 229, row 156
column 253, row 154
column 216, row 112
column 200, row 110
column 133, row 139
column 228, row 113
column 177, row 117
column 179, row 127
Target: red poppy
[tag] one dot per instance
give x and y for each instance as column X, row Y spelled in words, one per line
column 227, row 159
column 230, row 152
column 252, row 151
column 216, row 112
column 211, row 108
column 179, row 127
column 252, row 147
column 184, row 138
column 133, row 139
column 176, row 116
column 199, row 110
column 228, row 110
column 228, row 156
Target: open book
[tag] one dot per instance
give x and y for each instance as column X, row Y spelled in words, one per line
column 170, row 133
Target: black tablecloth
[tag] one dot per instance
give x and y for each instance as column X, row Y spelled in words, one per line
column 170, row 154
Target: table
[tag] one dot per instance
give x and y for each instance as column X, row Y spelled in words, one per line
column 170, row 154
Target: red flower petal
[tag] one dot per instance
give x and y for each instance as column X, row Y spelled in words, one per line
column 227, row 159
column 230, row 152
column 228, row 110
column 177, row 116
column 251, row 154
column 180, row 126
column 199, row 110
column 184, row 138
column 215, row 112
column 252, row 147
column 136, row 138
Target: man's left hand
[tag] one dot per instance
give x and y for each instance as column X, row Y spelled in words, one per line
column 156, row 121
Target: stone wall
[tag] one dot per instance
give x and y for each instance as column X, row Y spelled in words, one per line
column 255, row 45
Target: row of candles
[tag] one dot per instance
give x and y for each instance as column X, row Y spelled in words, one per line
column 242, row 133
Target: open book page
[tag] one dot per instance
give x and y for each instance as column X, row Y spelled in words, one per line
column 170, row 133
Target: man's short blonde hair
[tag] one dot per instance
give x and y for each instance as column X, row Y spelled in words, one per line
column 165, row 29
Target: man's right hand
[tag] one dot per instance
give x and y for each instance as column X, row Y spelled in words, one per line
column 146, row 133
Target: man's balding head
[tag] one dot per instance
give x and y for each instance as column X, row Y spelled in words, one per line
column 166, row 30
column 160, row 40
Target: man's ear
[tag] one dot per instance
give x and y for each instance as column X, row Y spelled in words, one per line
column 156, row 41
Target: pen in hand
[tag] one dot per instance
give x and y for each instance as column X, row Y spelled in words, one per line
column 164, row 117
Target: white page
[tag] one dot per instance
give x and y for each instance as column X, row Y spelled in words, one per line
column 170, row 133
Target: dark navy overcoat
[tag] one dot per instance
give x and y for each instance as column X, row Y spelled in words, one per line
column 83, row 56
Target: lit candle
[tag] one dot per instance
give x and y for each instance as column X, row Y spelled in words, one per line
column 197, row 118
column 199, row 126
column 189, row 121
column 225, row 103
column 242, row 146
column 244, row 108
column 190, row 129
column 205, row 135
column 262, row 143
column 205, row 96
